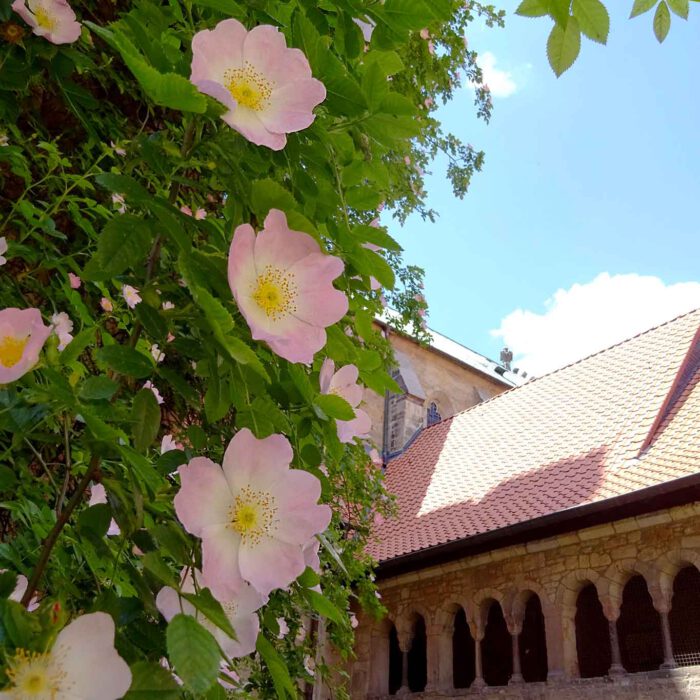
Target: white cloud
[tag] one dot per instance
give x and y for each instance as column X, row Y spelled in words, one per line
column 590, row 317
column 501, row 83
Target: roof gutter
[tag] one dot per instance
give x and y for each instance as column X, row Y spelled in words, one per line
column 653, row 498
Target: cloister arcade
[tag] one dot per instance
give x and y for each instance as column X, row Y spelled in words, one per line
column 635, row 617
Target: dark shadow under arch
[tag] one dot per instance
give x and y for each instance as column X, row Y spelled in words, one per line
column 395, row 661
column 533, row 642
column 418, row 658
column 463, row 652
column 684, row 618
column 639, row 629
column 496, row 648
column 592, row 635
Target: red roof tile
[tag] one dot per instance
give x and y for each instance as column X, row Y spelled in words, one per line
column 622, row 420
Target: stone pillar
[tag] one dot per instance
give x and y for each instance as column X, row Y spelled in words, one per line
column 444, row 652
column 616, row 668
column 669, row 660
column 554, row 630
column 405, row 642
column 434, row 651
column 515, row 627
column 479, row 681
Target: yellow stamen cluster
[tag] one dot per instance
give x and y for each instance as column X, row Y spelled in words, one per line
column 44, row 19
column 275, row 292
column 11, row 350
column 248, row 87
column 253, row 514
column 33, row 675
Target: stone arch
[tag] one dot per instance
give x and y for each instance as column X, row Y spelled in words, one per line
column 668, row 567
column 572, row 584
column 406, row 617
column 482, row 601
column 442, row 401
column 617, row 576
column 517, row 597
column 444, row 615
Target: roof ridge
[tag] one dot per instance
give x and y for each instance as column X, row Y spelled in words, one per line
column 571, row 364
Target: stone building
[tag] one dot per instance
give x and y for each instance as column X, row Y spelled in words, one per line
column 547, row 543
column 438, row 380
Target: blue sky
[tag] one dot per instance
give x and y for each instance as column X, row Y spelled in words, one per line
column 596, row 172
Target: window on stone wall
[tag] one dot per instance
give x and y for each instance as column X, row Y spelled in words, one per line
column 496, row 648
column 639, row 629
column 533, row 643
column 417, row 658
column 395, row 661
column 684, row 618
column 592, row 635
column 463, row 653
column 433, row 414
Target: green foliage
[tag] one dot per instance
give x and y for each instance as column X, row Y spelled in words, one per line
column 108, row 144
column 593, row 20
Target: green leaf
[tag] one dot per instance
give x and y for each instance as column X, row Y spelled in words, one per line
column 533, row 8
column 126, row 360
column 152, row 320
column 284, row 686
column 211, row 608
column 335, row 406
column 323, row 606
column 563, row 46
column 8, row 583
column 96, row 388
column 77, row 346
column 194, row 653
column 376, row 235
column 559, row 11
column 153, row 562
column 268, row 194
column 145, row 417
column 662, row 21
column 7, row 478
column 95, row 519
column 641, row 6
column 593, row 19
column 165, row 89
column 123, row 184
column 150, row 681
column 124, row 242
column 680, row 7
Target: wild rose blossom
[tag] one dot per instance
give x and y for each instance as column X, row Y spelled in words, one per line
column 3, row 250
column 254, row 515
column 22, row 335
column 240, row 610
column 52, row 19
column 117, row 149
column 284, row 628
column 106, row 304
column 365, row 27
column 4, row 140
column 157, row 353
column 62, row 327
column 98, row 495
column 82, row 663
column 150, row 385
column 118, row 199
column 168, row 306
column 267, row 87
column 282, row 283
column 343, row 383
column 18, row 594
column 131, row 295
column 74, row 281
column 168, row 443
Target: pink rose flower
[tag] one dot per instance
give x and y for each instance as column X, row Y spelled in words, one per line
column 106, row 305
column 131, row 295
column 118, row 199
column 284, row 628
column 186, row 210
column 168, row 306
column 52, row 19
column 119, row 151
column 200, row 214
column 343, row 383
column 74, row 281
column 149, row 385
column 282, row 283
column 254, row 515
column 353, row 621
column 82, row 663
column 3, row 250
column 99, row 495
column 428, row 102
column 157, row 353
column 240, row 610
column 168, row 443
column 20, row 589
column 425, row 34
column 376, row 458
column 407, row 160
column 22, row 335
column 169, row 338
column 365, row 27
column 62, row 327
column 431, row 48
column 267, row 87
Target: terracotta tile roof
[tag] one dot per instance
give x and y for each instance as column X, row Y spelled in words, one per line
column 624, row 419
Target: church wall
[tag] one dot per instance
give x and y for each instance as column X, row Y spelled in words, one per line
column 655, row 546
column 451, row 384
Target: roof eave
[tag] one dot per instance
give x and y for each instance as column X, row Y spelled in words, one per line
column 653, row 498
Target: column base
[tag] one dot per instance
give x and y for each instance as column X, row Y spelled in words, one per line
column 477, row 684
column 403, row 691
column 516, row 679
column 617, row 670
column 668, row 665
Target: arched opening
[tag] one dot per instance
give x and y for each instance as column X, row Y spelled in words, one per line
column 592, row 635
column 496, row 648
column 684, row 618
column 639, row 629
column 433, row 414
column 533, row 643
column 417, row 657
column 463, row 652
column 395, row 661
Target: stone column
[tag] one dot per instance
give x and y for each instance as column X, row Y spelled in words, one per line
column 405, row 642
column 669, row 660
column 515, row 627
column 434, row 662
column 443, row 647
column 479, row 681
column 616, row 668
column 555, row 636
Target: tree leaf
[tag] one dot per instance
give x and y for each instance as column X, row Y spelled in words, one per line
column 533, row 8
column 641, row 6
column 323, row 606
column 335, row 406
column 145, row 416
column 559, row 11
column 268, row 194
column 662, row 21
column 680, row 7
column 194, row 653
column 593, row 19
column 95, row 519
column 150, row 681
column 124, row 242
column 563, row 46
column 284, row 686
column 211, row 608
column 96, row 388
column 126, row 360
